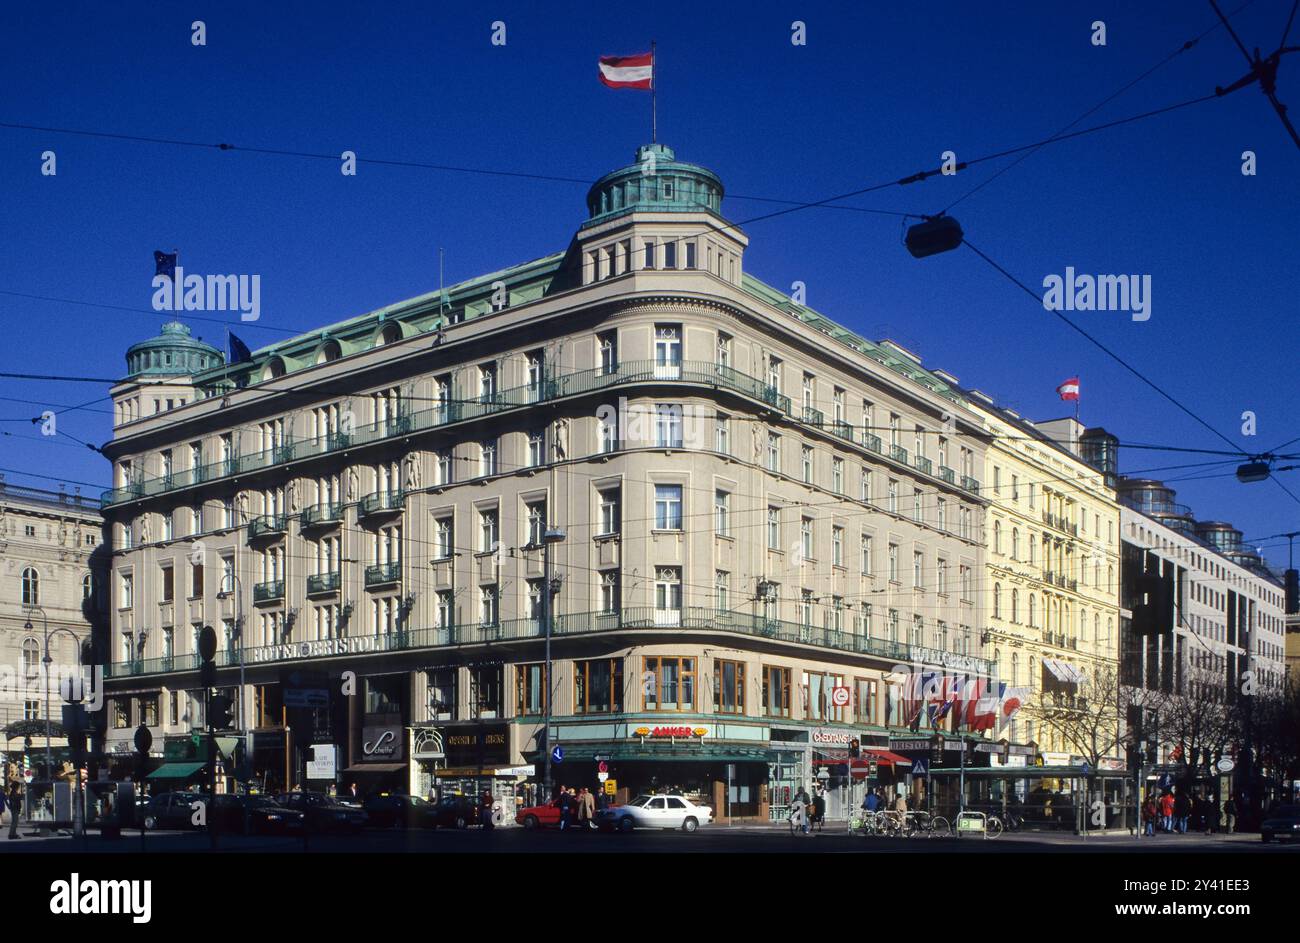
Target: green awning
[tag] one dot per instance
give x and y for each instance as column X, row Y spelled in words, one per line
column 175, row 771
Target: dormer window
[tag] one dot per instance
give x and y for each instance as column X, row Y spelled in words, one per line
column 668, row 189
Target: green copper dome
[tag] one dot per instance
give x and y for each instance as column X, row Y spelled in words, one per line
column 171, row 353
column 657, row 182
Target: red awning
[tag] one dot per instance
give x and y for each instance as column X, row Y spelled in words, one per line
column 891, row 759
column 841, row 757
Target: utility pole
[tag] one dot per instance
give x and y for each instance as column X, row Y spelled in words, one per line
column 553, row 535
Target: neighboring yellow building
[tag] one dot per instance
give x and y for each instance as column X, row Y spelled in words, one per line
column 1052, row 564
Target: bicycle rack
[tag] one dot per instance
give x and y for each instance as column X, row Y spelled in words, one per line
column 973, row 823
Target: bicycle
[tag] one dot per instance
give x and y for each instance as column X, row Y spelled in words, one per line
column 932, row 826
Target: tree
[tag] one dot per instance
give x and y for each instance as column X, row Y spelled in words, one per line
column 1196, row 722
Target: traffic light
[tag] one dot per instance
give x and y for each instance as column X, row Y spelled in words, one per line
column 221, row 712
column 855, row 748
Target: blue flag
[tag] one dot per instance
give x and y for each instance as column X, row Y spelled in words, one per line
column 239, row 352
column 164, row 264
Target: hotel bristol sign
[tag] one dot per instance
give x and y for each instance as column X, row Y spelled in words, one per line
column 319, row 648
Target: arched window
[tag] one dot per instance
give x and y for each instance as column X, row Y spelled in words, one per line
column 997, row 600
column 87, row 587
column 1015, row 668
column 1033, row 614
column 31, row 587
column 389, row 335
column 31, row 657
column 1015, row 605
column 274, row 368
column 997, row 536
column 330, row 350
column 1033, row 552
column 1110, row 579
column 1015, row 543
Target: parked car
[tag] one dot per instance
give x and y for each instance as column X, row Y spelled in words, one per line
column 1282, row 822
column 455, row 812
column 171, row 810
column 655, row 812
column 321, row 813
column 539, row 816
column 254, row 815
column 399, row 810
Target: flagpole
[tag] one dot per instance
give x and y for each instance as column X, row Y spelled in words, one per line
column 654, row 110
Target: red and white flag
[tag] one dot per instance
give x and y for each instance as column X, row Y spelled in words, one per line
column 1069, row 389
column 628, row 71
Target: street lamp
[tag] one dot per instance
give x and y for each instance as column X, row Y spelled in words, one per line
column 553, row 535
column 46, row 661
column 239, row 634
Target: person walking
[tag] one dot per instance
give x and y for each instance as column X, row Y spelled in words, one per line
column 566, row 808
column 799, row 812
column 1229, row 813
column 485, row 811
column 1167, row 811
column 589, row 808
column 584, row 817
column 1182, row 812
column 1150, row 812
column 872, row 802
column 15, row 804
column 819, row 807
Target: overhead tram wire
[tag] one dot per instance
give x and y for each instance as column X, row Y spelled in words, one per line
column 1189, row 44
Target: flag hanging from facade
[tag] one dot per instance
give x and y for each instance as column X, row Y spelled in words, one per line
column 1069, row 389
column 628, row 71
column 164, row 264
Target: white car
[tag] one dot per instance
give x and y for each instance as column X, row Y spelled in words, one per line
column 657, row 812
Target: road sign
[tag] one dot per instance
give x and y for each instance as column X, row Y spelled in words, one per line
column 602, row 776
column 557, row 755
column 602, row 756
column 920, row 766
column 840, row 696
column 28, row 776
column 1225, row 765
column 1165, row 781
column 611, row 787
column 603, row 767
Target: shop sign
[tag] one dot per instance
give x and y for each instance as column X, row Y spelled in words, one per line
column 529, row 770
column 827, row 735
column 322, row 762
column 941, row 659
column 482, row 745
column 381, row 744
column 611, row 787
column 682, row 732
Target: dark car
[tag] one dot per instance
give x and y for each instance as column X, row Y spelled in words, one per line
column 1282, row 822
column 399, row 810
column 455, row 812
column 254, row 815
column 171, row 810
column 321, row 813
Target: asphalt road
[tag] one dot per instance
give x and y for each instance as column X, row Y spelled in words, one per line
column 716, row 839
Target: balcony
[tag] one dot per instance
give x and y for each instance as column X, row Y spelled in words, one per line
column 970, row 484
column 267, row 525
column 842, row 429
column 947, row 474
column 871, row 442
column 322, row 583
column 270, row 591
column 923, row 464
column 321, row 515
column 381, row 502
column 898, row 453
column 383, row 574
column 812, row 417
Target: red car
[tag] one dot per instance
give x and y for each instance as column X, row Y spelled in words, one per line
column 540, row 816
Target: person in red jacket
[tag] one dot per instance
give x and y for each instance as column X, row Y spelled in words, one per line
column 1167, row 811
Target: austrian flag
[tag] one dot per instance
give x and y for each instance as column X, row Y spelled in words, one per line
column 1069, row 389
column 628, row 71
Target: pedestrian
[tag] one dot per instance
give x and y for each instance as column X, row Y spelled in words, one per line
column 799, row 812
column 872, row 802
column 1167, row 812
column 900, row 804
column 819, row 806
column 583, row 820
column 566, row 808
column 1150, row 812
column 588, row 810
column 1182, row 812
column 485, row 810
column 15, row 806
column 1229, row 813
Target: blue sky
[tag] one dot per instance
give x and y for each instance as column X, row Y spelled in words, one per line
column 878, row 92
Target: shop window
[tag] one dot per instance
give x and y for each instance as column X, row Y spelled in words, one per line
column 384, row 694
column 669, row 683
column 485, row 691
column 530, row 689
column 442, row 693
column 268, row 705
column 729, row 687
column 598, row 686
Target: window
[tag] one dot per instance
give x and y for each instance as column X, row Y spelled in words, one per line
column 444, row 536
column 670, row 247
column 489, row 605
column 773, row 528
column 485, row 690
column 773, row 452
column 668, row 351
column 196, row 581
column 607, row 419
column 668, row 426
column 488, row 457
column 942, row 576
column 774, row 373
column 941, row 519
column 893, row 563
column 722, row 513
column 668, row 595
column 729, row 687
column 31, row 587
column 723, row 349
column 918, row 562
column 690, row 254
column 441, row 694
column 722, row 589
column 776, row 691
column 598, row 686
column 837, row 546
column 807, row 464
column 127, row 596
column 864, row 485
column 536, row 448
column 865, row 700
column 806, row 537
column 963, row 577
column 227, row 575
column 530, row 689
column 866, row 555
column 916, row 505
column 669, row 683
column 668, row 507
column 487, row 382
column 168, row 583
column 997, row 600
column 892, row 506
column 609, row 511
column 536, row 514
column 837, row 475
column 489, row 533
column 609, row 592
column 722, row 439
column 607, row 344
